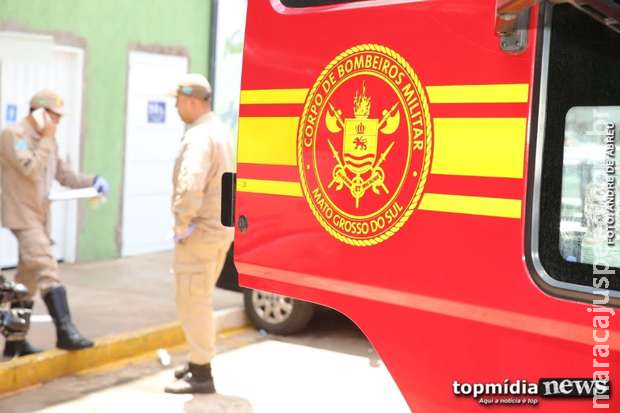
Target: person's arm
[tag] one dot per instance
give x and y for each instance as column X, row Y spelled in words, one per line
column 191, row 181
column 30, row 162
column 67, row 177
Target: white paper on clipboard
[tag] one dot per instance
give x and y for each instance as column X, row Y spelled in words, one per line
column 71, row 194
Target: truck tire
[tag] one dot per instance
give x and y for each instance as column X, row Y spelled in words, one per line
column 276, row 314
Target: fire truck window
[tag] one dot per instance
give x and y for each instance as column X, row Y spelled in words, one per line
column 589, row 206
column 313, row 3
column 574, row 186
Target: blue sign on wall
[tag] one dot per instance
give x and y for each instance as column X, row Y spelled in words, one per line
column 156, row 112
column 11, row 114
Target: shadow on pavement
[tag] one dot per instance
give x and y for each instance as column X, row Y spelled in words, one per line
column 218, row 403
column 324, row 326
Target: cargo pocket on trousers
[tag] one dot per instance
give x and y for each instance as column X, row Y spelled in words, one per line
column 203, row 283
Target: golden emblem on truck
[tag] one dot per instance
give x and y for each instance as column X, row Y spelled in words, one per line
column 365, row 145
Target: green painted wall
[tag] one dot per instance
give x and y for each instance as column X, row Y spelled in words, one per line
column 109, row 27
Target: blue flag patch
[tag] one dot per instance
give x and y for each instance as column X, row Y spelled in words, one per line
column 21, row 145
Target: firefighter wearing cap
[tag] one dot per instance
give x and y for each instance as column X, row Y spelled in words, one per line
column 29, row 163
column 201, row 240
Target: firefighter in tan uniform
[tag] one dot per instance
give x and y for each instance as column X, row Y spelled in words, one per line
column 29, row 163
column 201, row 240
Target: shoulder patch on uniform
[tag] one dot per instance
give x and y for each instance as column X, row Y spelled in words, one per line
column 21, row 145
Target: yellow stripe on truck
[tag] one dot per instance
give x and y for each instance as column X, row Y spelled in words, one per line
column 497, row 93
column 267, row 141
column 472, row 205
column 267, row 187
column 459, row 204
column 502, row 93
column 272, row 96
column 489, row 147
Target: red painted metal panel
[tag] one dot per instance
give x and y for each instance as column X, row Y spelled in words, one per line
column 447, row 297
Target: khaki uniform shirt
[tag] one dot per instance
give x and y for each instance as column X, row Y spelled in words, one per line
column 205, row 154
column 28, row 166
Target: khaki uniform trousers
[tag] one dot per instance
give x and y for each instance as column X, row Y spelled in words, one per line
column 197, row 265
column 37, row 267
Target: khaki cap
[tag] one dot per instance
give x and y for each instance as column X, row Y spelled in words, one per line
column 193, row 84
column 48, row 99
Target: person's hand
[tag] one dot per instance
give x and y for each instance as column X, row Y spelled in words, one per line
column 101, row 185
column 49, row 128
column 185, row 234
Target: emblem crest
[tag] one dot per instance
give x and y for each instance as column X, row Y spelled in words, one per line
column 365, row 145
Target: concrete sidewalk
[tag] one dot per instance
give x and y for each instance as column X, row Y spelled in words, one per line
column 253, row 374
column 127, row 301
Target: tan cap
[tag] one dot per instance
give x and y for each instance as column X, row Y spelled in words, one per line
column 48, row 99
column 193, row 84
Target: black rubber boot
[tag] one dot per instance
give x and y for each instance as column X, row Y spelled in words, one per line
column 197, row 380
column 67, row 335
column 20, row 348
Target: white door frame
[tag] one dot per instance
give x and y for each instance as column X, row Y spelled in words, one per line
column 74, row 153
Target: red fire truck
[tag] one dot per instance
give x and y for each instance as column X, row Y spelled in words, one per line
column 442, row 173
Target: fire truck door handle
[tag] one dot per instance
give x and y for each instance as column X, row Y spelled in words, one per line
column 229, row 185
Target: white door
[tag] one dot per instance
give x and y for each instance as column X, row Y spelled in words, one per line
column 19, row 80
column 153, row 133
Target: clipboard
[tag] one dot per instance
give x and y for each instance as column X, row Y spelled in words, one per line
column 71, row 194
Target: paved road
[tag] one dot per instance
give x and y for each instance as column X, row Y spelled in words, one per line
column 329, row 368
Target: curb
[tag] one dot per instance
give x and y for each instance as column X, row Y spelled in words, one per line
column 28, row 371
